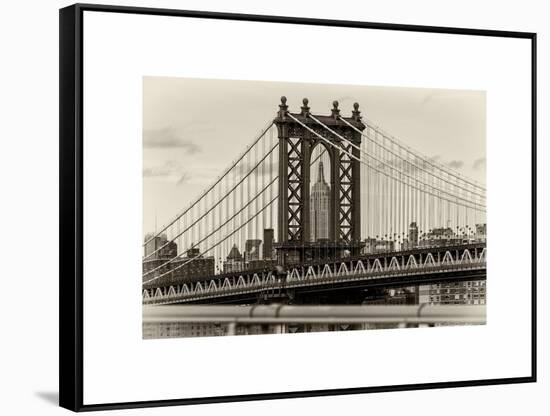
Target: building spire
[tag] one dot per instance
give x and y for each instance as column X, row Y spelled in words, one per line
column 321, row 174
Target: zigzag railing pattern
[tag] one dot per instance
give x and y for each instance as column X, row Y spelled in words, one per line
column 328, row 273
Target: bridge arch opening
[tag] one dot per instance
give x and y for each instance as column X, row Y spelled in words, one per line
column 321, row 187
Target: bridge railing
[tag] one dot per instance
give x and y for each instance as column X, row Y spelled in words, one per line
column 233, row 316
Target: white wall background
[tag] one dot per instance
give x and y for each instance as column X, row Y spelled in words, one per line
column 29, row 195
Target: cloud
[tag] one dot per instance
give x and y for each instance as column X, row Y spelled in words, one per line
column 154, row 172
column 168, row 170
column 183, row 179
column 177, row 173
column 426, row 100
column 455, row 164
column 168, row 138
column 480, row 163
column 263, row 169
column 414, row 165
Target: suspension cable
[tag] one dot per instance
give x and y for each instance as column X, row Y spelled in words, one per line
column 216, row 204
column 418, row 155
column 372, row 167
column 211, row 233
column 220, row 178
column 220, row 225
column 385, row 163
column 412, row 164
column 210, row 248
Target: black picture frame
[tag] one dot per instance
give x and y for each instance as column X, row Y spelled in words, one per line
column 71, row 205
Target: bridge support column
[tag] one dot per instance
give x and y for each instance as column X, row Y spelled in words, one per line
column 298, row 135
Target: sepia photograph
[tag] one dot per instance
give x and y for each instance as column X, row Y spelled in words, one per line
column 311, row 190
column 278, row 207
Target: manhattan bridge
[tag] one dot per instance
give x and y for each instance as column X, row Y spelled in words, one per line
column 320, row 209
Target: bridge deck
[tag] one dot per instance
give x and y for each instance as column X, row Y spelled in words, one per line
column 452, row 266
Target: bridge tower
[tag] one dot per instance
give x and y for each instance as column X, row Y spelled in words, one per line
column 297, row 141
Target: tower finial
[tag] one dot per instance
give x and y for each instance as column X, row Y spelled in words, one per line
column 335, row 109
column 356, row 113
column 305, row 108
column 283, row 107
column 321, row 174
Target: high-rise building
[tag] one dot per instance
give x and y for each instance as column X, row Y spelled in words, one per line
column 373, row 245
column 158, row 247
column 320, row 207
column 155, row 330
column 157, row 252
column 234, row 261
column 413, row 234
column 252, row 249
column 457, row 293
column 437, row 237
column 269, row 236
column 161, row 262
column 481, row 232
column 398, row 296
column 412, row 238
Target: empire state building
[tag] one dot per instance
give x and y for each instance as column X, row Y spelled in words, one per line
column 320, row 207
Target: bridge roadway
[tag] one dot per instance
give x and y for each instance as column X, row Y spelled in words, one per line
column 348, row 276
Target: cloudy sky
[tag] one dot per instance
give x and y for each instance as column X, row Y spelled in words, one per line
column 193, row 128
